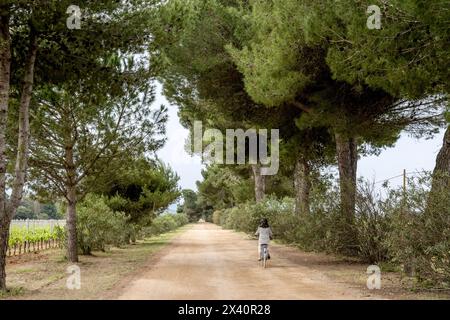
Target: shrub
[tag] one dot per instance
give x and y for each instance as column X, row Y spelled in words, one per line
column 420, row 236
column 325, row 229
column 165, row 223
column 181, row 219
column 223, row 217
column 373, row 223
column 246, row 217
column 216, row 217
column 98, row 227
column 409, row 230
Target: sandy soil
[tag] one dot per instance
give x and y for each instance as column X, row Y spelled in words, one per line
column 207, row 262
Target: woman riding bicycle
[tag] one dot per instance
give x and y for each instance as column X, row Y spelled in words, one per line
column 265, row 235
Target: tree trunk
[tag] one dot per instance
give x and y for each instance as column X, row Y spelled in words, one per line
column 5, row 72
column 260, row 183
column 441, row 173
column 72, row 247
column 24, row 127
column 442, row 169
column 347, row 157
column 4, row 236
column 5, row 75
column 302, row 184
column 8, row 208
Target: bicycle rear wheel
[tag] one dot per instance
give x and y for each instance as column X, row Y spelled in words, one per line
column 265, row 258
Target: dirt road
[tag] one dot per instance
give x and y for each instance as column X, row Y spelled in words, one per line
column 207, row 262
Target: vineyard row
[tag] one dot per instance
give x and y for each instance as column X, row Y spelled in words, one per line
column 22, row 240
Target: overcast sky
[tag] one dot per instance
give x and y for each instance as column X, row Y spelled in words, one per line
column 409, row 153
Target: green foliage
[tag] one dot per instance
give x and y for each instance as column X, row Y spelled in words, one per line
column 216, row 217
column 78, row 53
column 374, row 217
column 420, row 236
column 99, row 227
column 139, row 188
column 276, row 63
column 89, row 65
column 197, row 71
column 223, row 188
column 34, row 210
column 313, row 64
column 58, row 128
column 165, row 223
column 50, row 211
column 206, row 85
column 395, row 228
column 408, row 56
column 227, row 186
column 283, row 63
column 191, row 206
column 24, row 212
column 19, row 236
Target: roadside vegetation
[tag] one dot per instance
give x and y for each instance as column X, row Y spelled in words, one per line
column 80, row 132
column 394, row 229
column 337, row 91
column 43, row 275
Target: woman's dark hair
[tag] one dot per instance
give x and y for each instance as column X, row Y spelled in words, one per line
column 264, row 223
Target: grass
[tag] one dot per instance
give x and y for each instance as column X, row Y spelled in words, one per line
column 44, row 275
column 25, row 270
column 11, row 292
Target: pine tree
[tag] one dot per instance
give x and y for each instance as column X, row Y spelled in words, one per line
column 284, row 64
column 38, row 48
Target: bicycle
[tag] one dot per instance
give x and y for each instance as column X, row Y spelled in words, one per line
column 264, row 255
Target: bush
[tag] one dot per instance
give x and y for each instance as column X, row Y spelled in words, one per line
column 411, row 231
column 216, row 217
column 320, row 231
column 325, row 229
column 420, row 237
column 373, row 223
column 98, row 227
column 246, row 217
column 165, row 223
column 181, row 219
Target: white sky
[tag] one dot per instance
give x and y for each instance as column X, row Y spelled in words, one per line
column 173, row 153
column 409, row 153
